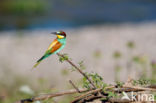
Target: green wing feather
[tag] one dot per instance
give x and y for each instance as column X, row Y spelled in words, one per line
column 47, row 53
column 52, row 50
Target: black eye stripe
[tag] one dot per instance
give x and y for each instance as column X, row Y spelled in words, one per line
column 62, row 33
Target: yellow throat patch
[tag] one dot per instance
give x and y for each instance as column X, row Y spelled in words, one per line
column 60, row 36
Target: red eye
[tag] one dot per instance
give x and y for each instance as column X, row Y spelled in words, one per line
column 63, row 32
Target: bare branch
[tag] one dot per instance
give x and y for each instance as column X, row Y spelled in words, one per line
column 79, row 70
column 47, row 96
column 77, row 89
column 139, row 88
column 86, row 94
column 152, row 86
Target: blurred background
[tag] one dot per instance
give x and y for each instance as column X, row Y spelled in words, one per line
column 114, row 38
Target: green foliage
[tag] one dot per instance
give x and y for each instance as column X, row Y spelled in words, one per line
column 72, row 69
column 63, row 58
column 13, row 95
column 143, row 62
column 117, row 55
column 130, row 44
column 24, row 7
column 86, row 84
column 111, row 94
column 64, row 72
column 118, row 68
column 153, row 81
column 97, row 80
column 97, row 54
column 140, row 59
column 153, row 64
column 136, row 61
column 153, row 71
column 119, row 84
column 82, row 66
column 141, row 82
column 154, row 96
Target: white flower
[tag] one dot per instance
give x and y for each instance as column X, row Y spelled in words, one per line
column 125, row 96
column 26, row 89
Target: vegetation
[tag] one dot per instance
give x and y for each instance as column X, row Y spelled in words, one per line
column 91, row 86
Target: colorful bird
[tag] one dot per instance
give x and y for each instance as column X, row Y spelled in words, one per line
column 55, row 47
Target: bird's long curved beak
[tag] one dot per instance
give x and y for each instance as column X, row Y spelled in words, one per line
column 55, row 33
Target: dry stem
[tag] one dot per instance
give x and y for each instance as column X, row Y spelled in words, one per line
column 77, row 89
column 79, row 70
column 47, row 96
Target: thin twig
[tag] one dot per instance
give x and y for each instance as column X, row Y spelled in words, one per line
column 152, row 86
column 86, row 94
column 79, row 70
column 47, row 96
column 140, row 88
column 77, row 89
column 92, row 92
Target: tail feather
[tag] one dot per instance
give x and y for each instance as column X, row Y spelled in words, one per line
column 36, row 65
column 38, row 62
column 41, row 58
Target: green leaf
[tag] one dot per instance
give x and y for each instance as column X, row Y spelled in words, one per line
column 119, row 84
column 111, row 94
column 81, row 64
column 117, row 55
column 63, row 58
column 131, row 44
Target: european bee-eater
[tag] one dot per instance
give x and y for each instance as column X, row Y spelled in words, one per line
column 57, row 45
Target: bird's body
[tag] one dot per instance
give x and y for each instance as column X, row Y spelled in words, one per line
column 56, row 46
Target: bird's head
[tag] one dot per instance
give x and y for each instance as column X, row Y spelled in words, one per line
column 60, row 34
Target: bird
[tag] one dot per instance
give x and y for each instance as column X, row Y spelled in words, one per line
column 56, row 46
